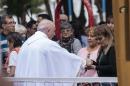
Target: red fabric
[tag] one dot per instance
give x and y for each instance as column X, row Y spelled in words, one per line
column 90, row 12
column 58, row 11
column 57, row 19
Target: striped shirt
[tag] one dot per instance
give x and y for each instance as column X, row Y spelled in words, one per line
column 3, row 46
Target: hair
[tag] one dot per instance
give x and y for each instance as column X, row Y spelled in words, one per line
column 109, row 18
column 104, row 30
column 20, row 29
column 102, row 22
column 63, row 17
column 65, row 25
column 3, row 18
column 45, row 16
column 92, row 30
column 16, row 38
column 30, row 23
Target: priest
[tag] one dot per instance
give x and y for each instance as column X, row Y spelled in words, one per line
column 41, row 57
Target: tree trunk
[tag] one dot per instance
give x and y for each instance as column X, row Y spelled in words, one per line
column 48, row 8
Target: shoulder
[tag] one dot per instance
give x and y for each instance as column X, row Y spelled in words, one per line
column 49, row 45
column 76, row 40
column 53, row 44
column 83, row 50
column 12, row 53
column 112, row 49
column 2, row 36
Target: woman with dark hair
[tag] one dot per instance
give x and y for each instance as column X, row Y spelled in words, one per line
column 15, row 42
column 31, row 28
column 106, row 61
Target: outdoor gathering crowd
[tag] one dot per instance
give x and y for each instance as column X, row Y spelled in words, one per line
column 34, row 51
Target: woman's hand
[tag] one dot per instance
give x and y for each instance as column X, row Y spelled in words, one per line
column 90, row 67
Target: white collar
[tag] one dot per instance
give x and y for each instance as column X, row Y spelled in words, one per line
column 41, row 33
column 38, row 35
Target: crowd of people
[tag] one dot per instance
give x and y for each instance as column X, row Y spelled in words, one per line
column 29, row 51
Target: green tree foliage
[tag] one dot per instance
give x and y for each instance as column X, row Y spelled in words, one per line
column 1, row 3
column 18, row 7
column 21, row 7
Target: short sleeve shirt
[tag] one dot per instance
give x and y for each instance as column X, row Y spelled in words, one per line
column 13, row 58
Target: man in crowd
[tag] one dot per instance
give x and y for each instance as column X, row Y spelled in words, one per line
column 8, row 25
column 64, row 17
column 31, row 28
column 40, row 17
column 41, row 57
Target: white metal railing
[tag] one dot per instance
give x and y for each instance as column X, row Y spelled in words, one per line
column 69, row 81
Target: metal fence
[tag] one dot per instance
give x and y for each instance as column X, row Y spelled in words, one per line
column 73, row 81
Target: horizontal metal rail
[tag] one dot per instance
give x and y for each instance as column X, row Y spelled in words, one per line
column 64, row 79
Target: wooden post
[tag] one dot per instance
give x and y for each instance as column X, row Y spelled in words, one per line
column 122, row 39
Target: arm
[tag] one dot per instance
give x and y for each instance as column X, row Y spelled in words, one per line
column 12, row 71
column 12, row 63
column 76, row 46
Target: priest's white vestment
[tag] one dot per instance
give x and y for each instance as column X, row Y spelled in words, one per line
column 41, row 57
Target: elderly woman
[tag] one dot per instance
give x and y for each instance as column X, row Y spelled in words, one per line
column 67, row 40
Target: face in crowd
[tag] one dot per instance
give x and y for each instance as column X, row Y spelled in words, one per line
column 67, row 32
column 105, row 36
column 39, row 19
column 9, row 25
column 31, row 28
column 92, row 37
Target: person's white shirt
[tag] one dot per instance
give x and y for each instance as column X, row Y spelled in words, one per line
column 41, row 57
column 13, row 58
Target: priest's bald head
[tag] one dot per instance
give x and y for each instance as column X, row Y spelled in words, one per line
column 47, row 27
